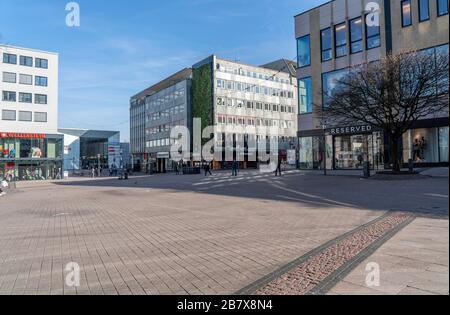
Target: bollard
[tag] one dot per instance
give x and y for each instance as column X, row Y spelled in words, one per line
column 411, row 165
column 366, row 168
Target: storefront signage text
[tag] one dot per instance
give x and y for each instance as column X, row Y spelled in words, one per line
column 351, row 130
column 22, row 135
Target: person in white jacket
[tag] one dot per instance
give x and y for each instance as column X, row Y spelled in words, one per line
column 3, row 184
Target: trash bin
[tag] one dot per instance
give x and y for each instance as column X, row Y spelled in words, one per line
column 366, row 168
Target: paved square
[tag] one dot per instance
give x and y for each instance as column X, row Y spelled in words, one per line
column 185, row 234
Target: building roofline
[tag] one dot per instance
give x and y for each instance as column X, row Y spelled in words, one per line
column 249, row 65
column 309, row 10
column 174, row 79
column 29, row 49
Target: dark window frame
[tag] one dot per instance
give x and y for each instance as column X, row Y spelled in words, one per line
column 438, row 9
column 25, row 120
column 372, row 36
column 9, row 110
column 350, row 35
column 29, row 94
column 36, row 96
column 38, row 63
column 420, row 11
column 7, row 58
column 298, row 55
column 410, row 13
column 25, row 58
column 299, row 99
column 9, row 93
column 37, row 81
column 321, row 44
column 336, row 47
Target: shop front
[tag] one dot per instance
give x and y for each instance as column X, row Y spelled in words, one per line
column 25, row 156
column 344, row 148
column 427, row 144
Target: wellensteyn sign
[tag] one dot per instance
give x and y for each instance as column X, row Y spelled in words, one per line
column 351, row 130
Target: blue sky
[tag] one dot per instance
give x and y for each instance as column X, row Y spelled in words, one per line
column 123, row 47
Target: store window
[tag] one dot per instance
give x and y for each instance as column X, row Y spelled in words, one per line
column 351, row 151
column 421, row 145
column 303, row 51
column 306, row 153
column 443, row 145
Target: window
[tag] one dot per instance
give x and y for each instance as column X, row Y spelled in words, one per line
column 330, row 81
column 340, row 37
column 25, row 116
column 326, row 44
column 40, row 99
column 26, row 61
column 442, row 7
column 356, row 35
column 40, row 117
column 9, row 96
column 40, row 81
column 41, row 63
column 424, row 10
column 8, row 115
column 25, row 97
column 9, row 58
column 406, row 13
column 9, row 77
column 25, row 79
column 303, row 51
column 373, row 39
column 305, row 95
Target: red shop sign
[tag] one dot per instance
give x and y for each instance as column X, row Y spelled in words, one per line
column 22, row 135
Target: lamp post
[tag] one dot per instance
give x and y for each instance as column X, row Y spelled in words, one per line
column 324, row 127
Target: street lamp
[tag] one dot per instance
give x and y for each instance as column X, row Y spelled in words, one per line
column 324, row 127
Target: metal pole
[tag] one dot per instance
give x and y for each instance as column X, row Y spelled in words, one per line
column 324, row 155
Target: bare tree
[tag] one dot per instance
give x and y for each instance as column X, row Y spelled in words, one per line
column 391, row 94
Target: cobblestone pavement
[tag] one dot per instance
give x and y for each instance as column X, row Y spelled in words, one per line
column 414, row 262
column 183, row 234
column 317, row 268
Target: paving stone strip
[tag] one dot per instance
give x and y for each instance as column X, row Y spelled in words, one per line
column 318, row 271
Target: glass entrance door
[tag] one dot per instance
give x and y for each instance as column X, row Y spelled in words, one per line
column 351, row 151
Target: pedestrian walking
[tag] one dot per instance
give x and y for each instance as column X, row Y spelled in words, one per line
column 208, row 169
column 93, row 172
column 278, row 170
column 234, row 168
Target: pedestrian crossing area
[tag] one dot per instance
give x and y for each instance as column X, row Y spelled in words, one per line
column 222, row 178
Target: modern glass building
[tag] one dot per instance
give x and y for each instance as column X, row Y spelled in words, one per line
column 335, row 36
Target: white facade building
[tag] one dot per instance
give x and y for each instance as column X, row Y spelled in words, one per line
column 30, row 147
column 29, row 87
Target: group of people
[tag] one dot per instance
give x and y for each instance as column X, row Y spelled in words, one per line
column 235, row 168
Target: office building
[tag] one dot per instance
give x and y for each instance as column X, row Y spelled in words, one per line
column 30, row 147
column 335, row 36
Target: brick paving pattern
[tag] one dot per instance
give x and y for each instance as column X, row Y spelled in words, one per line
column 170, row 235
column 302, row 279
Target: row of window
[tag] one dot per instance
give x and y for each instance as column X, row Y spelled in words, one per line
column 175, row 110
column 424, row 10
column 354, row 29
column 232, row 102
column 11, row 115
column 252, row 88
column 259, row 122
column 25, row 61
column 251, row 74
column 164, row 97
column 164, row 128
column 330, row 79
column 160, row 143
column 11, row 77
column 8, row 96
